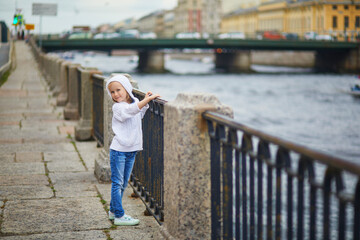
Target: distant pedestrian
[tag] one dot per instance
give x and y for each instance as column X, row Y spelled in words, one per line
column 126, row 125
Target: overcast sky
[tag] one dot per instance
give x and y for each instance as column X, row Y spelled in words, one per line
column 81, row 12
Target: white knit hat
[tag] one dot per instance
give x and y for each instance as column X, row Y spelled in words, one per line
column 124, row 81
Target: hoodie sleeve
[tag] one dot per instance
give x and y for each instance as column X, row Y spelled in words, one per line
column 143, row 110
column 123, row 111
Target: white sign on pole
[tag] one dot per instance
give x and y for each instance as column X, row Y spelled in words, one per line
column 44, row 9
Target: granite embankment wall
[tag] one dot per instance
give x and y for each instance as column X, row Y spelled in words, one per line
column 274, row 58
column 284, row 58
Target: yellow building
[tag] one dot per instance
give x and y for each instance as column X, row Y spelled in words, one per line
column 336, row 18
column 243, row 20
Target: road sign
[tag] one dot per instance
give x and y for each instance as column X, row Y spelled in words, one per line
column 29, row 26
column 44, row 9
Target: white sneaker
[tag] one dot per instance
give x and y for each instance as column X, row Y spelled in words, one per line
column 111, row 216
column 126, row 220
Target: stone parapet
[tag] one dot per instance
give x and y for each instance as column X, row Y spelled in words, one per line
column 187, row 205
column 42, row 60
column 62, row 98
column 52, row 72
column 57, row 83
column 83, row 130
column 71, row 110
column 45, row 62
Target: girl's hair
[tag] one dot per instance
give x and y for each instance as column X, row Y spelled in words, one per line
column 128, row 98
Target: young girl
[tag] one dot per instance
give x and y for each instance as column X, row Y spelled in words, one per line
column 126, row 124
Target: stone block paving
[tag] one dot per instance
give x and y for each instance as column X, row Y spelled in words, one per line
column 47, row 185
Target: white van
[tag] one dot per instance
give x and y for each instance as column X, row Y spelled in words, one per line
column 232, row 35
column 188, row 35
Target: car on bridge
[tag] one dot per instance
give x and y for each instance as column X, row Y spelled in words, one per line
column 105, row 35
column 130, row 33
column 323, row 37
column 273, row 35
column 270, row 35
column 291, row 36
column 148, row 35
column 232, row 35
column 188, row 35
column 310, row 35
column 80, row 35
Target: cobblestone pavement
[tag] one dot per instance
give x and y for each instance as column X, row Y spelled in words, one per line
column 47, row 185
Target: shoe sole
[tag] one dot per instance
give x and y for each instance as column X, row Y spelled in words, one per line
column 126, row 224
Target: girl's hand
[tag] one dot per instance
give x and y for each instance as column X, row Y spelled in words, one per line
column 151, row 96
column 148, row 97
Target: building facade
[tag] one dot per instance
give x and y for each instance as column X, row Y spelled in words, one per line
column 128, row 23
column 202, row 16
column 188, row 16
column 211, row 17
column 169, row 21
column 340, row 19
column 229, row 6
column 241, row 20
column 150, row 22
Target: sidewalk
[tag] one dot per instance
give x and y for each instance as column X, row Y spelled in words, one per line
column 47, row 185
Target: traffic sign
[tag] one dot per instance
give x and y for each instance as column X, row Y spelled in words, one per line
column 44, row 9
column 29, row 26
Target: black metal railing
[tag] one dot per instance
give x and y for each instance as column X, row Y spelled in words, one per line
column 263, row 187
column 67, row 73
column 147, row 177
column 98, row 108
column 79, row 85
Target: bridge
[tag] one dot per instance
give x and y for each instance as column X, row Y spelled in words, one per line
column 232, row 55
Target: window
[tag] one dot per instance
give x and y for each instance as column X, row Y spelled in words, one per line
column 334, row 7
column 346, row 7
column 357, row 21
column 346, row 22
column 334, row 22
column 357, row 6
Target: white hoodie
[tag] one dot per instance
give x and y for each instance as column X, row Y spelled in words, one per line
column 126, row 121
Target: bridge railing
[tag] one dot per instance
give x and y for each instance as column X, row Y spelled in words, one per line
column 265, row 187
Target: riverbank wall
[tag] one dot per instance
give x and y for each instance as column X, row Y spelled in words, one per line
column 304, row 59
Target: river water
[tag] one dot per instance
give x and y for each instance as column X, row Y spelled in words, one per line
column 294, row 104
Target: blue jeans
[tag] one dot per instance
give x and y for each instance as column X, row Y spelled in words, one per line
column 121, row 164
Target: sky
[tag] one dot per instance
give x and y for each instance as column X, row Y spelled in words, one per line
column 81, row 12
